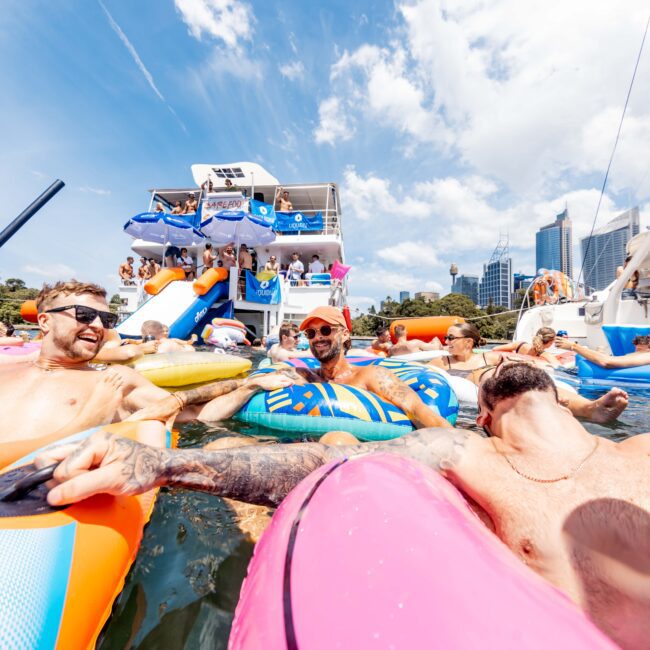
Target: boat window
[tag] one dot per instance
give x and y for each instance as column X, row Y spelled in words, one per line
column 228, row 172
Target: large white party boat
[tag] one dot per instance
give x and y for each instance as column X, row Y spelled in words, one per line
column 311, row 227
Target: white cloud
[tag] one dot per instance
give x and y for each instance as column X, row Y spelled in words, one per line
column 230, row 21
column 293, row 71
column 138, row 61
column 523, row 93
column 54, row 271
column 410, row 254
column 94, row 190
column 333, row 123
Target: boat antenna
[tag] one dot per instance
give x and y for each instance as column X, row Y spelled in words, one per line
column 611, row 158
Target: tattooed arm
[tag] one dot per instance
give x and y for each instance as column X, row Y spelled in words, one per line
column 387, row 385
column 262, row 474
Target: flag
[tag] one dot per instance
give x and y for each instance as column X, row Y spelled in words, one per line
column 295, row 221
column 264, row 291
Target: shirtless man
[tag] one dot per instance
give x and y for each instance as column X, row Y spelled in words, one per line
column 383, row 341
column 155, row 331
column 284, row 204
column 572, row 506
column 144, row 270
column 126, row 272
column 191, row 205
column 177, row 209
column 273, row 266
column 227, row 255
column 640, row 356
column 286, row 348
column 402, row 346
column 60, row 393
column 208, row 257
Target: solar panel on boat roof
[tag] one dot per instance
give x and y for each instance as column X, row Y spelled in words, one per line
column 227, row 172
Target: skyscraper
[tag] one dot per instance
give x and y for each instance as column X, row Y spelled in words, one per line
column 466, row 285
column 605, row 249
column 496, row 284
column 404, row 295
column 553, row 245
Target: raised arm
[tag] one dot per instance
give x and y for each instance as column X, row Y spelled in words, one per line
column 387, row 385
column 262, row 474
column 607, row 360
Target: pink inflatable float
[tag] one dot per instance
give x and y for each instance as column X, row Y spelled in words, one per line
column 14, row 353
column 381, row 552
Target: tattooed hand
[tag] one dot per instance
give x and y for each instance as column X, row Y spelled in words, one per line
column 102, row 463
column 270, row 381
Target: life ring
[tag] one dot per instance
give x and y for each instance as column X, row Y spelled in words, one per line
column 318, row 408
column 173, row 369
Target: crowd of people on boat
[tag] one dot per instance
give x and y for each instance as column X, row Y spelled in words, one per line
column 535, row 463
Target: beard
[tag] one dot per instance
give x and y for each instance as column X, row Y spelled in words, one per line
column 70, row 347
column 328, row 354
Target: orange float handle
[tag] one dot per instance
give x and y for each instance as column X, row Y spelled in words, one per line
column 159, row 281
column 208, row 279
column 28, row 311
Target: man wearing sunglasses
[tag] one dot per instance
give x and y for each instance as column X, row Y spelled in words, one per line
column 61, row 392
column 329, row 341
column 572, row 506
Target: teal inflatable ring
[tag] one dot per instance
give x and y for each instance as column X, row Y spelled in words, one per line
column 317, row 408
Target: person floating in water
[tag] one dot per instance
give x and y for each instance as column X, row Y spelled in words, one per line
column 640, row 356
column 403, row 346
column 572, row 506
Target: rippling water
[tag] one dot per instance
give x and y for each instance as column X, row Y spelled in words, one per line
column 183, row 588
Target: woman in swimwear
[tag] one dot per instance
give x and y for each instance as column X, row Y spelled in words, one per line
column 461, row 340
column 542, row 341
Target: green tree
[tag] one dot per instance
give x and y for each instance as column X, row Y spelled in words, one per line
column 14, row 284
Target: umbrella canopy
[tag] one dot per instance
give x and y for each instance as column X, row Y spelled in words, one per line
column 240, row 227
column 163, row 228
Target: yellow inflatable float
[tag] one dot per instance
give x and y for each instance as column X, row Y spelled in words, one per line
column 174, row 369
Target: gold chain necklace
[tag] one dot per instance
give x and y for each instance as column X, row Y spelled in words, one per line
column 560, row 478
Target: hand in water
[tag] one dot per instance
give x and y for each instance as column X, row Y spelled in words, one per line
column 103, row 463
column 270, row 381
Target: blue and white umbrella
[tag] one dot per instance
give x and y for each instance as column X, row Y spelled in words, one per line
column 251, row 228
column 163, row 228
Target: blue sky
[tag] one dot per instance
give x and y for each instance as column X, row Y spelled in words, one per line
column 443, row 122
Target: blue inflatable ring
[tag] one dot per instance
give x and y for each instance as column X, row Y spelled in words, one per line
column 318, row 408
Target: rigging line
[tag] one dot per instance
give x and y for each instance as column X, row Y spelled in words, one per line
column 611, row 158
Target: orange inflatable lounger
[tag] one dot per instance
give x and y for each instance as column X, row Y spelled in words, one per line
column 28, row 311
column 208, row 279
column 159, row 281
column 426, row 328
column 61, row 569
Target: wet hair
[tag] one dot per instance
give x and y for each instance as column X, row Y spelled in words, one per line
column 515, row 379
column 287, row 329
column 257, row 342
column 382, row 330
column 641, row 339
column 49, row 293
column 400, row 330
column 542, row 336
column 470, row 331
column 152, row 328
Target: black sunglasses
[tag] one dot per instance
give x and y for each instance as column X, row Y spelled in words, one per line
column 451, row 337
column 87, row 315
column 326, row 330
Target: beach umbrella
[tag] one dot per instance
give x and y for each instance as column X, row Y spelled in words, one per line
column 251, row 228
column 163, row 228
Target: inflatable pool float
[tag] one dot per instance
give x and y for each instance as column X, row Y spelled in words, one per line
column 61, row 569
column 222, row 330
column 427, row 328
column 590, row 373
column 321, row 407
column 184, row 368
column 381, row 552
column 14, row 353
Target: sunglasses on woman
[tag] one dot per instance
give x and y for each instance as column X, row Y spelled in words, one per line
column 451, row 337
column 325, row 330
column 87, row 315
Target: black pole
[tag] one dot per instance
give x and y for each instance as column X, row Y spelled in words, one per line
column 29, row 212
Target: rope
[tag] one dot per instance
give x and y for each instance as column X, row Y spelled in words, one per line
column 611, row 158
